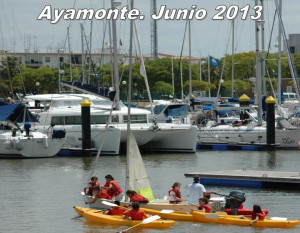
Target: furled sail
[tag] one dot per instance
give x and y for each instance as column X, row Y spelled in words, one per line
column 138, row 176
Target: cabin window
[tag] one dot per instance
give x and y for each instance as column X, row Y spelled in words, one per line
column 98, row 119
column 115, row 119
column 73, row 120
column 136, row 118
column 60, row 120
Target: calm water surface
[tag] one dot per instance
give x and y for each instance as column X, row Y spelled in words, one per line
column 37, row 195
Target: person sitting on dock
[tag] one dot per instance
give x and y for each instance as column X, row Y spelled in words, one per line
column 175, row 194
column 197, row 191
column 115, row 210
column 99, row 193
column 113, row 188
column 88, row 190
column 135, row 213
column 257, row 214
column 135, row 197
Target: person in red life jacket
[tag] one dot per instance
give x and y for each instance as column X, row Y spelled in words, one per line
column 88, row 190
column 115, row 210
column 135, row 197
column 257, row 214
column 113, row 188
column 175, row 194
column 203, row 207
column 135, row 213
column 99, row 193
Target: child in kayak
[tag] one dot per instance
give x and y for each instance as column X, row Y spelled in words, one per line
column 203, row 207
column 135, row 197
column 88, row 190
column 135, row 213
column 175, row 194
column 257, row 214
column 115, row 210
column 99, row 193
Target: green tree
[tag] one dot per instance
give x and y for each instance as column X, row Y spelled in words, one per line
column 163, row 87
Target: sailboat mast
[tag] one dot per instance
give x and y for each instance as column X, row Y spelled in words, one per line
column 190, row 60
column 258, row 71
column 279, row 52
column 82, row 55
column 181, row 78
column 90, row 52
column 70, row 55
column 111, row 55
column 173, row 85
column 116, row 68
column 263, row 53
column 129, row 99
column 232, row 61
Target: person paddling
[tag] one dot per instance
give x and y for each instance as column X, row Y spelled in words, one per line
column 88, row 190
column 115, row 210
column 113, row 188
column 135, row 197
column 135, row 213
column 175, row 194
column 99, row 193
column 257, row 214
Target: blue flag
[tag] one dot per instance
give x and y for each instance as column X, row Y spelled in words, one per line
column 214, row 61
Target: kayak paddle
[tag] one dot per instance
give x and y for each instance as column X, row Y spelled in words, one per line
column 145, row 221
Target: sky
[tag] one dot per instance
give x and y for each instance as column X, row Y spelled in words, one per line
column 20, row 29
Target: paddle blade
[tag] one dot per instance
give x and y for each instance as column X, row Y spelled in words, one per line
column 166, row 211
column 211, row 216
column 278, row 218
column 109, row 203
column 151, row 219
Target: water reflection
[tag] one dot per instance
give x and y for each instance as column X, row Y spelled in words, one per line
column 271, row 159
column 87, row 162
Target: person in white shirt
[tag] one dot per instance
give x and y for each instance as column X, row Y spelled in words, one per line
column 197, row 191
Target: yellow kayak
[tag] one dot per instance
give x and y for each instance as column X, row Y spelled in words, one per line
column 98, row 216
column 169, row 214
column 236, row 220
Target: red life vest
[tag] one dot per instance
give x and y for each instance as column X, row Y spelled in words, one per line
column 116, row 190
column 106, row 184
column 177, row 194
column 139, row 198
column 207, row 208
column 261, row 216
column 136, row 214
column 116, row 211
column 90, row 191
column 104, row 194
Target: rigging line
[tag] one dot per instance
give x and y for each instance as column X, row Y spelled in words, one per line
column 65, row 42
column 102, row 51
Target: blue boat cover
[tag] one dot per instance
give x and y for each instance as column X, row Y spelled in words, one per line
column 182, row 111
column 15, row 113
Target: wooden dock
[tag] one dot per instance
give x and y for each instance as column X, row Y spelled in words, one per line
column 250, row 178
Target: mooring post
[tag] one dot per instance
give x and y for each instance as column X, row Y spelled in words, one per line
column 86, row 127
column 244, row 101
column 270, row 117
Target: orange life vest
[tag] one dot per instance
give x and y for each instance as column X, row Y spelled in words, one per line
column 116, row 211
column 177, row 194
column 135, row 214
column 116, row 190
column 207, row 208
column 139, row 198
column 104, row 194
column 90, row 191
column 261, row 216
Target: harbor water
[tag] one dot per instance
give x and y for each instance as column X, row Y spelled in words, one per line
column 38, row 195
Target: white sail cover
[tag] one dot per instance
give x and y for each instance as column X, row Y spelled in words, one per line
column 138, row 176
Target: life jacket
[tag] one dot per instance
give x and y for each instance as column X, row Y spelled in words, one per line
column 177, row 194
column 139, row 198
column 261, row 216
column 116, row 190
column 207, row 208
column 106, row 184
column 104, row 194
column 116, row 211
column 91, row 188
column 136, row 214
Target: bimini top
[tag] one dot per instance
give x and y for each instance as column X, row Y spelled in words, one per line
column 15, row 113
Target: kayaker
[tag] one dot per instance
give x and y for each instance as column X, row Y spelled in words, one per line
column 99, row 193
column 257, row 214
column 113, row 188
column 115, row 210
column 203, row 207
column 197, row 191
column 88, row 190
column 175, row 194
column 135, row 213
column 135, row 197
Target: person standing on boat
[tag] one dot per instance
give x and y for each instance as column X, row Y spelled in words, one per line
column 197, row 191
column 113, row 188
column 88, row 190
column 135, row 197
column 175, row 194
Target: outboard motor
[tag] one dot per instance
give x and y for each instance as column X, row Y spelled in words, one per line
column 27, row 127
column 234, row 200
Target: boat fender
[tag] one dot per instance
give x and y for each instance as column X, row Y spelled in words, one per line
column 8, row 144
column 19, row 145
column 45, row 142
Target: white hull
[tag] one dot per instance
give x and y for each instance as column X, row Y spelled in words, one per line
column 38, row 145
column 287, row 139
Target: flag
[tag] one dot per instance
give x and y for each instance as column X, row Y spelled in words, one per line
column 214, row 61
column 121, row 42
